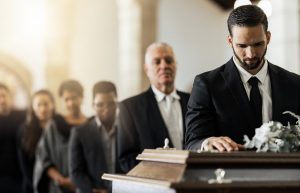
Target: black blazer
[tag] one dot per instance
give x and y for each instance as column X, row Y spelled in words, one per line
column 141, row 126
column 86, row 157
column 219, row 105
column 10, row 172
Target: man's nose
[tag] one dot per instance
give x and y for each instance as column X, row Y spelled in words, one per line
column 250, row 52
column 163, row 63
column 70, row 102
column 105, row 110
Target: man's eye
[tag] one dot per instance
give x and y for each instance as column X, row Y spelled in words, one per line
column 258, row 44
column 156, row 61
column 169, row 60
column 111, row 105
column 99, row 105
column 242, row 46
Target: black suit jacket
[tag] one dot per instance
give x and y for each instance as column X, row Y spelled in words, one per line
column 141, row 126
column 10, row 173
column 219, row 105
column 86, row 157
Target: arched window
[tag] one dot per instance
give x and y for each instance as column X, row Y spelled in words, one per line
column 14, row 74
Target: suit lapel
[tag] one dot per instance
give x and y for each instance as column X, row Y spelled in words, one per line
column 96, row 142
column 95, row 134
column 235, row 85
column 183, row 103
column 277, row 92
column 158, row 127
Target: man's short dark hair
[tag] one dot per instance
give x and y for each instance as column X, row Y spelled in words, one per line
column 104, row 87
column 71, row 86
column 247, row 16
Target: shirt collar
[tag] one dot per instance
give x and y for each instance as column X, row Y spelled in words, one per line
column 160, row 95
column 245, row 76
column 99, row 125
column 98, row 122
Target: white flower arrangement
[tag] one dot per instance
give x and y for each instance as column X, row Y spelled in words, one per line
column 274, row 137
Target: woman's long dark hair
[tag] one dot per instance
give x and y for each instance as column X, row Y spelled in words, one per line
column 32, row 128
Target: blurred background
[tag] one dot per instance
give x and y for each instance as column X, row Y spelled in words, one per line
column 43, row 42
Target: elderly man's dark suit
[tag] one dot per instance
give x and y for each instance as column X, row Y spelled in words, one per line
column 141, row 126
column 219, row 105
column 87, row 158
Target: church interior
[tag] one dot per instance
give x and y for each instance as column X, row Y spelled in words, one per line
column 47, row 41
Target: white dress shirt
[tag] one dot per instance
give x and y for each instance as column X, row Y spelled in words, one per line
column 109, row 144
column 264, row 86
column 171, row 112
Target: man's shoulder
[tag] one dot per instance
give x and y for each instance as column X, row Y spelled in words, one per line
column 212, row 74
column 183, row 94
column 20, row 112
column 18, row 115
column 83, row 128
column 228, row 66
column 283, row 72
column 137, row 99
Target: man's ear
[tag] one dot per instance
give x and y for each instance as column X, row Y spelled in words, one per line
column 268, row 36
column 229, row 40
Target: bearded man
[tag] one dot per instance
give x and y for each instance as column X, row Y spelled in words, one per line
column 238, row 97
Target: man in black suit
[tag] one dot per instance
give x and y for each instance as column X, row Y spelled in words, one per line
column 147, row 119
column 10, row 120
column 234, row 99
column 92, row 148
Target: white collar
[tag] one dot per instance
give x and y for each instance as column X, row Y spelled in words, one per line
column 245, row 76
column 160, row 95
column 98, row 122
column 99, row 125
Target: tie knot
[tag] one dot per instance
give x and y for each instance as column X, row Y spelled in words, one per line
column 169, row 98
column 253, row 81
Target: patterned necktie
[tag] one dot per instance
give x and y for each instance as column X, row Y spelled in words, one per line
column 172, row 122
column 256, row 101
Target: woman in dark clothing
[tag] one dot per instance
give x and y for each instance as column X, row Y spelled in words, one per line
column 51, row 166
column 39, row 116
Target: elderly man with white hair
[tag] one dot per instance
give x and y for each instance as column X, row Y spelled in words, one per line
column 147, row 119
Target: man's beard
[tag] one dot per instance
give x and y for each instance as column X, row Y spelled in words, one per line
column 250, row 66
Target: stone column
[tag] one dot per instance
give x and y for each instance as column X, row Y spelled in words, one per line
column 149, row 30
column 59, row 29
column 285, row 40
column 137, row 30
